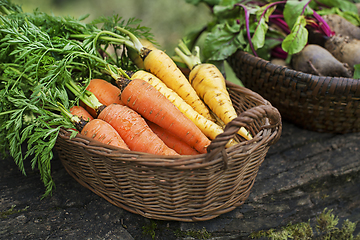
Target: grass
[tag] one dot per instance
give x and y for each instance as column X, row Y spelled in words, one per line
column 194, row 234
column 11, row 211
column 326, row 228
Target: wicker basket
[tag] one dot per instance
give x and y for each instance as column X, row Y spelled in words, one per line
column 181, row 188
column 317, row 103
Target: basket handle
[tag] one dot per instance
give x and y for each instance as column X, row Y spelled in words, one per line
column 244, row 120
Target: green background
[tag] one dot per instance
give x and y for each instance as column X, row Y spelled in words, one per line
column 169, row 20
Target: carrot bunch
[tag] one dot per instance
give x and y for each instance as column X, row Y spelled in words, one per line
column 157, row 109
column 204, row 90
column 209, row 84
column 124, row 115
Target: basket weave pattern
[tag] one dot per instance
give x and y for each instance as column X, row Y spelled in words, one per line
column 318, row 103
column 181, row 188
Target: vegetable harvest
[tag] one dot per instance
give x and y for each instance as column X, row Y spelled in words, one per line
column 94, row 128
column 161, row 65
column 134, row 130
column 58, row 72
column 208, row 127
column 155, row 107
column 280, row 30
column 209, row 84
column 172, row 140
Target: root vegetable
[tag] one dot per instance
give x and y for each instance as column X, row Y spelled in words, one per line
column 342, row 26
column 130, row 125
column 161, row 65
column 103, row 132
column 172, row 141
column 345, row 49
column 134, row 130
column 96, row 129
column 209, row 128
column 134, row 56
column 210, row 85
column 315, row 59
column 81, row 112
column 106, row 92
column 278, row 61
column 155, row 107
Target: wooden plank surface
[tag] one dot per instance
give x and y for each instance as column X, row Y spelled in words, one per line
column 303, row 173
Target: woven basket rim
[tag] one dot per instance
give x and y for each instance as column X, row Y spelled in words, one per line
column 305, row 78
column 317, row 103
column 177, row 161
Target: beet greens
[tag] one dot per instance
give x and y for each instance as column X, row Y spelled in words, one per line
column 265, row 28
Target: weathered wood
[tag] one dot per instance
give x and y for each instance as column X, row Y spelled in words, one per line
column 303, row 173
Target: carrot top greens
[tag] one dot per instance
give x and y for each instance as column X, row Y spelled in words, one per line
column 40, row 54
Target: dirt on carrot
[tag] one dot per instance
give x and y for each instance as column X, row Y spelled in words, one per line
column 81, row 112
column 103, row 132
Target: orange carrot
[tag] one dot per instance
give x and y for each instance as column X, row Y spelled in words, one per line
column 209, row 128
column 155, row 107
column 171, row 140
column 103, row 132
column 128, row 123
column 134, row 130
column 96, row 129
column 105, row 92
column 81, row 112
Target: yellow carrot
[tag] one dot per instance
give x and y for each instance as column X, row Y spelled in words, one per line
column 209, row 128
column 161, row 65
column 209, row 84
column 134, row 56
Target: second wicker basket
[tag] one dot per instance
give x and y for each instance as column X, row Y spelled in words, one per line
column 317, row 103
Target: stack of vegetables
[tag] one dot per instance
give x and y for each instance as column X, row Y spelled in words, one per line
column 104, row 83
column 319, row 37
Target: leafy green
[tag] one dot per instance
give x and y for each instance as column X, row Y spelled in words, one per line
column 293, row 10
column 222, row 41
column 39, row 55
column 250, row 25
column 345, row 6
column 356, row 71
column 297, row 39
column 259, row 35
